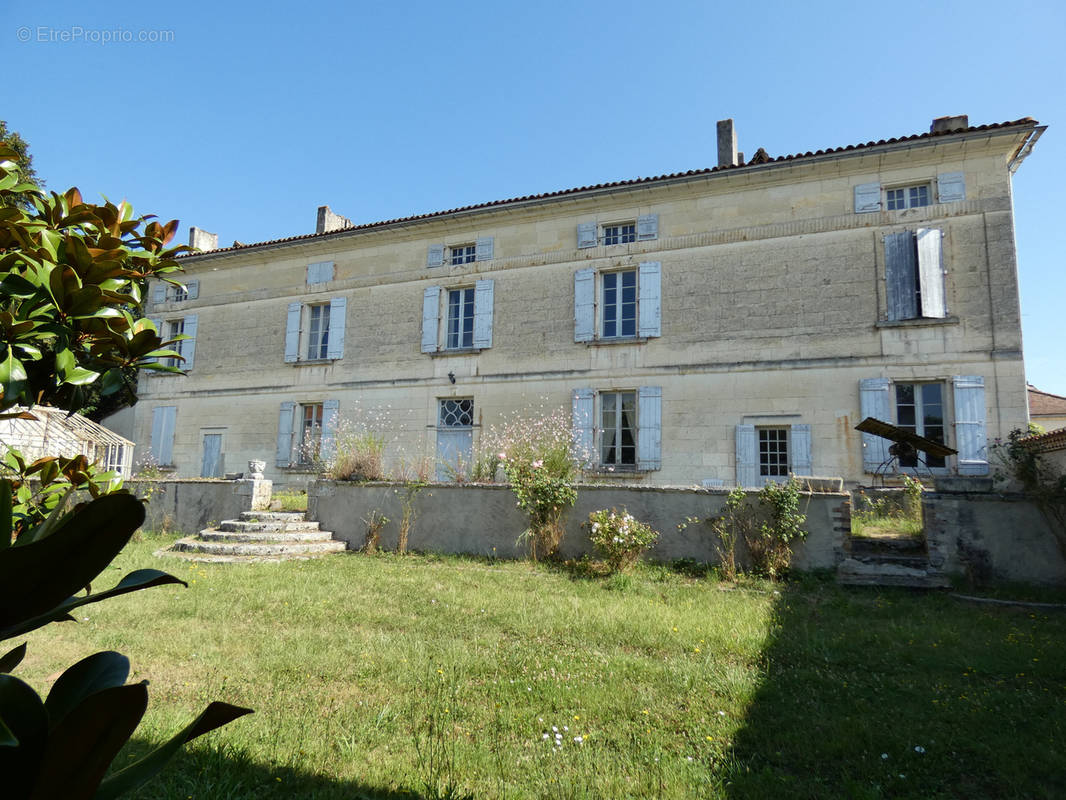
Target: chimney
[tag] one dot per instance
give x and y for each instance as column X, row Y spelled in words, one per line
column 946, row 124
column 727, row 143
column 202, row 240
column 329, row 221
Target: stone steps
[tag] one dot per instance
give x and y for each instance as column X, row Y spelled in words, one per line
column 258, row 536
column 888, row 561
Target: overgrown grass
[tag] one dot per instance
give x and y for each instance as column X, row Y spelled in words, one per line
column 289, row 500
column 393, row 677
column 892, row 514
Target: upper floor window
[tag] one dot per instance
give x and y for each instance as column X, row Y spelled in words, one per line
column 460, row 318
column 318, row 331
column 914, row 275
column 619, row 304
column 315, row 331
column 614, row 306
column 186, row 348
column 622, row 233
column 164, row 292
column 645, row 228
column 870, row 197
column 466, row 313
column 176, row 328
column 907, row 197
column 319, row 272
column 456, row 255
column 462, row 254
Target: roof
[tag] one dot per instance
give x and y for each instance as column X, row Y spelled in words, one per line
column 762, row 160
column 1045, row 403
column 1046, row 442
column 45, row 423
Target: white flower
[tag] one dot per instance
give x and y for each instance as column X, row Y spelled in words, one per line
column 544, row 736
column 884, row 756
column 919, row 749
column 554, row 729
column 579, row 739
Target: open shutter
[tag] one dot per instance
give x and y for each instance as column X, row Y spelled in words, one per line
column 284, row 454
column 747, row 457
column 158, row 323
column 582, row 425
column 435, row 257
column 188, row 347
column 292, row 333
column 159, row 293
column 800, row 444
column 584, row 305
column 192, row 289
column 329, row 429
column 950, row 187
column 867, row 198
column 649, row 427
column 931, row 272
column 900, row 272
column 430, row 318
column 874, row 402
column 647, row 227
column 649, row 293
column 971, row 438
column 483, row 314
column 483, row 249
column 156, row 445
column 335, row 345
column 586, row 234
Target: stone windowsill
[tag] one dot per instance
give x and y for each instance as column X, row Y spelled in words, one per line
column 617, row 340
column 458, row 351
column 312, row 362
column 916, row 323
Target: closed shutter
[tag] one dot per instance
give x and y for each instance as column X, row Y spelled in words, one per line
column 163, row 424
column 329, row 429
column 338, row 306
column 435, row 256
column 285, row 418
column 159, row 293
column 586, row 234
column 292, row 333
column 188, row 347
column 584, row 305
column 320, row 272
column 483, row 314
column 874, row 402
column 582, row 425
column 800, row 445
column 649, row 296
column 647, row 227
column 483, row 249
column 430, row 319
column 192, row 289
column 950, row 187
column 971, row 438
column 867, row 198
column 931, row 272
column 649, row 427
column 900, row 271
column 747, row 457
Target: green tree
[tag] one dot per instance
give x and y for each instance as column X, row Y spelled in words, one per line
column 23, row 161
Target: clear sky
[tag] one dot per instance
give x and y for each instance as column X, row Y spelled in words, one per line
column 242, row 118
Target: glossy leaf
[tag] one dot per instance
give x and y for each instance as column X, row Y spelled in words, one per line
column 12, row 658
column 22, row 742
column 103, row 670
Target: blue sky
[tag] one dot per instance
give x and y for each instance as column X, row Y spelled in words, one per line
column 254, row 114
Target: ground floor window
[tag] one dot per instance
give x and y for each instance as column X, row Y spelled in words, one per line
column 773, row 452
column 920, row 409
column 618, row 428
column 310, row 433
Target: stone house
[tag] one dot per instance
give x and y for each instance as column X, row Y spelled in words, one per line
column 720, row 326
column 1046, row 409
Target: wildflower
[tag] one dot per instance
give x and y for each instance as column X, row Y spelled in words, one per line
column 544, row 736
column 919, row 749
column 884, row 756
column 579, row 739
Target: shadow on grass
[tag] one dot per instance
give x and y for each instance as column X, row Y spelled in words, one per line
column 205, row 771
column 876, row 693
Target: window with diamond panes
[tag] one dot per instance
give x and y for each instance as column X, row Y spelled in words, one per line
column 907, row 197
column 457, row 412
column 773, row 452
column 620, row 234
column 619, row 304
column 920, row 408
column 618, row 428
column 462, row 254
column 460, row 318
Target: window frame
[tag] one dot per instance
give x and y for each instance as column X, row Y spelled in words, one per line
column 462, row 254
column 624, row 232
column 765, row 443
column 299, row 334
column 311, row 328
column 590, row 305
column 175, row 328
column 459, row 328
column 908, row 190
column 309, row 441
column 618, row 317
column 619, row 429
column 919, row 426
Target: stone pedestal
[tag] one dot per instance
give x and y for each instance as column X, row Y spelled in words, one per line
column 258, row 492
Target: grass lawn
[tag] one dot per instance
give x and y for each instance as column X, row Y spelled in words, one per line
column 406, row 677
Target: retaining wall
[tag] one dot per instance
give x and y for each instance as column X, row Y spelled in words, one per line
column 189, row 506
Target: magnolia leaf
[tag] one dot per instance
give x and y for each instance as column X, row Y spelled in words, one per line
column 12, row 658
column 92, row 674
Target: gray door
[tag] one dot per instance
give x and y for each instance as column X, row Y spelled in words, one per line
column 455, row 438
column 212, row 463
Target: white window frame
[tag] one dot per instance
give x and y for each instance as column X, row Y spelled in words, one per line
column 593, row 314
column 306, row 340
column 915, row 278
column 315, row 336
column 309, row 419
column 175, row 328
column 612, row 313
column 437, row 318
column 908, row 198
column 457, row 319
column 919, row 426
column 460, row 254
column 618, row 398
column 612, row 233
column 773, row 440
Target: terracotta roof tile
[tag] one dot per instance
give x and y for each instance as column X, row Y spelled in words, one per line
column 1045, row 403
column 1023, row 122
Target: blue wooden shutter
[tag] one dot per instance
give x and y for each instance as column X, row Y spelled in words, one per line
column 163, row 424
column 158, row 324
column 435, row 256
column 292, row 333
column 192, row 289
column 319, row 272
column 586, row 234
column 584, row 305
column 867, row 198
column 329, row 429
column 950, row 187
column 971, row 438
column 900, row 270
column 430, row 319
column 800, row 444
column 335, row 345
column 649, row 294
column 747, row 457
column 159, row 293
column 649, row 427
column 647, row 227
column 582, row 425
column 874, row 401
column 285, row 420
column 931, row 272
column 483, row 249
column 483, row 314
column 188, row 347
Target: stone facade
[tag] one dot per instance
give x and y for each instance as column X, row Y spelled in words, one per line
column 771, row 301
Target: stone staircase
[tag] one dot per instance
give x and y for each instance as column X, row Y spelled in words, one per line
column 258, row 536
column 889, row 561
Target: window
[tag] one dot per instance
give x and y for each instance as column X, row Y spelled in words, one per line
column 175, row 328
column 460, row 318
column 645, row 228
column 455, row 436
column 457, row 255
column 920, row 409
column 907, row 197
column 772, row 452
column 462, row 254
column 617, row 306
column 466, row 315
column 162, row 446
column 310, row 435
column 186, row 348
column 914, row 277
column 870, row 197
column 315, row 331
column 319, row 272
column 306, row 433
column 456, row 412
column 619, row 429
column 179, row 293
column 164, row 292
column 623, row 233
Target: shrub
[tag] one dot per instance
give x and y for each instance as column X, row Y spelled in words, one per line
column 359, row 449
column 620, row 538
column 768, row 527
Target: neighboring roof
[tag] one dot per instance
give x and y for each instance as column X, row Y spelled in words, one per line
column 762, row 159
column 1045, row 403
column 1046, row 442
column 45, row 423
